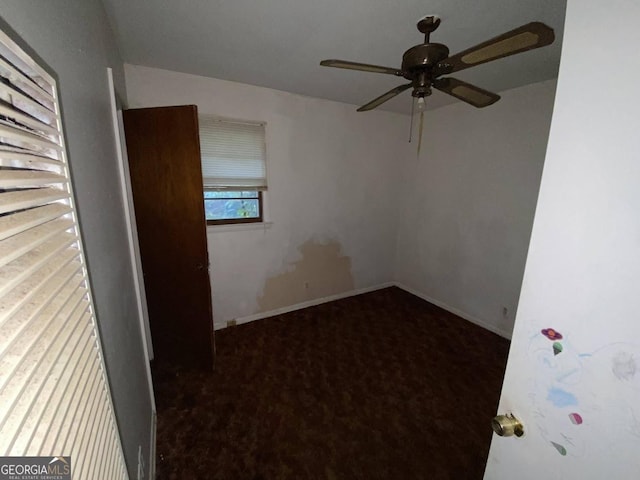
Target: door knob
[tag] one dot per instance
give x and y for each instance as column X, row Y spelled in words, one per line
column 507, row 426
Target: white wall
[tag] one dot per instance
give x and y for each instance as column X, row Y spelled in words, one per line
column 583, row 268
column 469, row 202
column 452, row 226
column 74, row 40
column 333, row 175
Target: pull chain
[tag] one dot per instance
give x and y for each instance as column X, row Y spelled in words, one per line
column 413, row 102
column 420, row 134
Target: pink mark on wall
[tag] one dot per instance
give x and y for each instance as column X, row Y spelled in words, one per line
column 575, row 418
column 551, row 334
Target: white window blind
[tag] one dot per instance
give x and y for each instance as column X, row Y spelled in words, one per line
column 233, row 154
column 54, row 395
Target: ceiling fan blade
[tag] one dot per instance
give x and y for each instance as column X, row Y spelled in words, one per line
column 476, row 96
column 365, row 67
column 384, row 97
column 527, row 37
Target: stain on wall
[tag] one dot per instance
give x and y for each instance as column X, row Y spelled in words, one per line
column 321, row 271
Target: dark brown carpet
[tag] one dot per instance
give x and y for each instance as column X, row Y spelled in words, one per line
column 378, row 386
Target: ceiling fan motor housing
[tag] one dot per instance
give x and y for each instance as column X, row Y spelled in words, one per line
column 418, row 63
column 423, row 56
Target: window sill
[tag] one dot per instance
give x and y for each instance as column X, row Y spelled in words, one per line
column 238, row 227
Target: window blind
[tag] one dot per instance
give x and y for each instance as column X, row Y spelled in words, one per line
column 233, row 154
column 54, row 395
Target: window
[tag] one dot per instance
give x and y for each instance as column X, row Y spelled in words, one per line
column 54, row 394
column 233, row 170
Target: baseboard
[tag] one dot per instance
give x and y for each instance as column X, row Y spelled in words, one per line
column 351, row 293
column 455, row 311
column 309, row 303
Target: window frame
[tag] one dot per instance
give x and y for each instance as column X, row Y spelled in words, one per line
column 235, row 221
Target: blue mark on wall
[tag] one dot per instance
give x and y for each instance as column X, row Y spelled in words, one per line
column 561, row 398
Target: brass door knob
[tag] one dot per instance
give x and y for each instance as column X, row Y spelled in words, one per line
column 507, row 426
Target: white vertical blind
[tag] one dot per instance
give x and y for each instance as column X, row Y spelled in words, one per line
column 233, row 154
column 54, row 395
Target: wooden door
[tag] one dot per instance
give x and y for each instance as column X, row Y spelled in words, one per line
column 166, row 180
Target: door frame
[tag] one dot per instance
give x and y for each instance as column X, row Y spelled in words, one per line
column 134, row 252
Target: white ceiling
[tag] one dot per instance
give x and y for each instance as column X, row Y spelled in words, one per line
column 279, row 43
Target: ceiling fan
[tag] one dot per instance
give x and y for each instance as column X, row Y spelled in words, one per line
column 424, row 64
